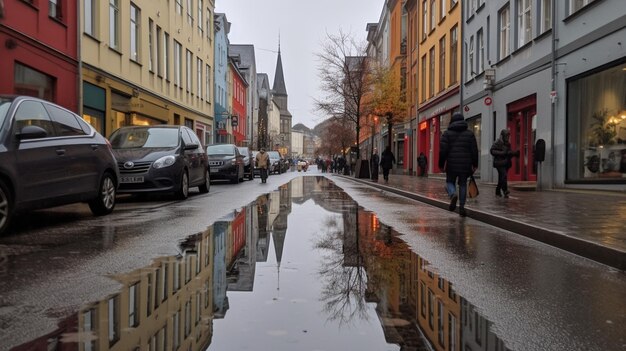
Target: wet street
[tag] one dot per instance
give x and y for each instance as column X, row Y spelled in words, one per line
column 300, row 263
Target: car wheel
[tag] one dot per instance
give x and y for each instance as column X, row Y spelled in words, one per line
column 204, row 188
column 6, row 207
column 105, row 201
column 183, row 191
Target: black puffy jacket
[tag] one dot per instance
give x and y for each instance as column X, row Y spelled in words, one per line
column 458, row 150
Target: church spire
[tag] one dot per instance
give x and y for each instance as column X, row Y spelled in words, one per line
column 279, row 77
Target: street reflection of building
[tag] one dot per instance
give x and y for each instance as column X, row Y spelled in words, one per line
column 241, row 274
column 220, row 300
column 262, row 208
column 164, row 306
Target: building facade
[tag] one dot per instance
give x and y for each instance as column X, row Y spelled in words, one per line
column 40, row 60
column 550, row 71
column 264, row 93
column 238, row 113
column 247, row 67
column 146, row 62
column 222, row 28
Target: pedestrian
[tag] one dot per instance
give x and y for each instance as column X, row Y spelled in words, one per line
column 502, row 155
column 374, row 163
column 458, row 157
column 422, row 162
column 386, row 162
column 262, row 161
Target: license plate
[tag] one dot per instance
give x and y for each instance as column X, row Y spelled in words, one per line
column 130, row 179
column 214, row 170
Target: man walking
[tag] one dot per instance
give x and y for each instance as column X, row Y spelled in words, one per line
column 262, row 162
column 458, row 156
column 502, row 154
column 386, row 162
column 374, row 162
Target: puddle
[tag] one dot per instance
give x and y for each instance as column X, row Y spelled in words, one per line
column 301, row 268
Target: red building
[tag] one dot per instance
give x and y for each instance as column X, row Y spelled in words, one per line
column 238, row 116
column 39, row 51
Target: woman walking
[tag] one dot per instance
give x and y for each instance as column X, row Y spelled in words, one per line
column 386, row 162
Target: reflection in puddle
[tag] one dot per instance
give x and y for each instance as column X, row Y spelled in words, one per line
column 329, row 280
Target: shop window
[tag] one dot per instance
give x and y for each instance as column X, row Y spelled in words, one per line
column 596, row 125
column 33, row 83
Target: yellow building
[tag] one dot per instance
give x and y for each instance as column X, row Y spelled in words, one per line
column 439, row 66
column 148, row 62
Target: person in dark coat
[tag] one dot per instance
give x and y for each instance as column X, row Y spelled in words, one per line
column 422, row 162
column 458, row 156
column 502, row 154
column 386, row 162
column 374, row 163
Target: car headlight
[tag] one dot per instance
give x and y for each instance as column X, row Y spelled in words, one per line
column 233, row 161
column 164, row 161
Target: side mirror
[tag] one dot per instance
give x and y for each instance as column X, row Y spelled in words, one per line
column 31, row 132
column 191, row 146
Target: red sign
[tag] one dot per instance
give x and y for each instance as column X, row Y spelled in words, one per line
column 222, row 132
column 488, row 101
column 466, row 108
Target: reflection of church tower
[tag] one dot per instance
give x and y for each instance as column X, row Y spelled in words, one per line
column 279, row 95
column 279, row 226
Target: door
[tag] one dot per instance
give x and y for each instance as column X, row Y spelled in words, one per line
column 194, row 158
column 522, row 122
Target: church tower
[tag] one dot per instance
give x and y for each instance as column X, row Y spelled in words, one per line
column 279, row 95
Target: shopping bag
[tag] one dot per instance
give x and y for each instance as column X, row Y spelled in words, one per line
column 472, row 188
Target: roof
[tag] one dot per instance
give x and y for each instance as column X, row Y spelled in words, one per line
column 301, row 128
column 246, row 52
column 279, row 87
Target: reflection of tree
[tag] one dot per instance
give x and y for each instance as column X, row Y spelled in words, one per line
column 344, row 286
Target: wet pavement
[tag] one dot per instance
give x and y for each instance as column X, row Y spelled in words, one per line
column 332, row 265
column 591, row 224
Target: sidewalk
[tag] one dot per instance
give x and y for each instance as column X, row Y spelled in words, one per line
column 590, row 224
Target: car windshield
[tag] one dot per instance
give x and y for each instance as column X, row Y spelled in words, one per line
column 273, row 154
column 132, row 138
column 243, row 151
column 5, row 103
column 220, row 150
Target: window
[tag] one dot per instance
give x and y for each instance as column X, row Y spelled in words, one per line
column 470, row 58
column 114, row 24
column 524, row 25
column 54, row 9
column 33, row 83
column 65, row 123
column 135, row 31
column 431, row 55
column 440, row 337
column 149, row 293
column 424, row 19
column 178, row 51
column 575, row 5
column 179, row 7
column 159, row 53
column 431, row 310
column 451, row 292
column 166, row 57
column 199, row 66
column 176, row 275
column 454, row 43
column 198, row 308
column 470, row 8
column 453, row 3
column 451, row 332
column 480, row 59
column 478, row 331
column 151, row 45
column 545, row 16
column 503, row 24
column 442, row 63
column 114, row 319
column 89, row 9
column 176, row 330
column 207, row 98
column 188, row 317
column 423, row 79
column 164, row 286
column 133, row 305
column 89, row 328
column 442, row 9
column 206, row 293
column 188, row 67
column 200, row 22
column 33, row 113
column 190, row 12
column 433, row 15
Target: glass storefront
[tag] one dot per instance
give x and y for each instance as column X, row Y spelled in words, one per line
column 473, row 124
column 596, row 125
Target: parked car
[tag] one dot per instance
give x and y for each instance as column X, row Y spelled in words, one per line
column 275, row 162
column 160, row 159
column 50, row 156
column 225, row 162
column 248, row 162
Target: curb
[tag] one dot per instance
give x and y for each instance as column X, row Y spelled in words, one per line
column 593, row 251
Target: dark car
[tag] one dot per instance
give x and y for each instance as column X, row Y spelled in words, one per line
column 50, row 156
column 276, row 165
column 160, row 159
column 225, row 162
column 248, row 162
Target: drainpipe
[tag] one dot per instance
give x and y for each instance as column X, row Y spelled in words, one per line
column 462, row 35
column 79, row 79
column 553, row 103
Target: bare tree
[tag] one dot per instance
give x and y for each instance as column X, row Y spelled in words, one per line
column 343, row 73
column 336, row 135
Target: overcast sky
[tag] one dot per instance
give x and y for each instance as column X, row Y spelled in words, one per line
column 303, row 25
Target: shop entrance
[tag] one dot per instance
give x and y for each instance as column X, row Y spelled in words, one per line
column 522, row 122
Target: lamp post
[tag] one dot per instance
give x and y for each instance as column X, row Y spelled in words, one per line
column 372, row 136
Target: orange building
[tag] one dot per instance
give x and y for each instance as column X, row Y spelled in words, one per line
column 439, row 66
